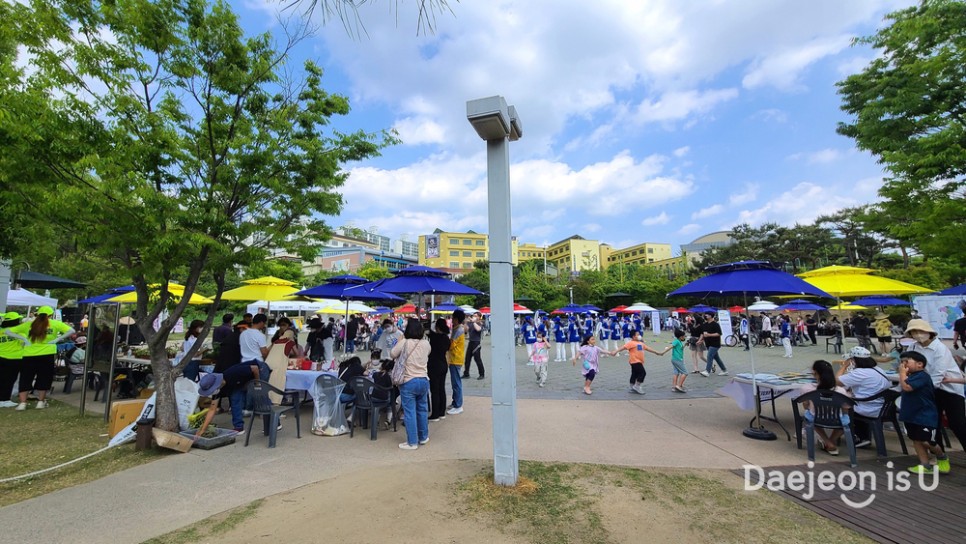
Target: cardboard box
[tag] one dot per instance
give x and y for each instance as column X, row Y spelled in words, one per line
column 123, row 413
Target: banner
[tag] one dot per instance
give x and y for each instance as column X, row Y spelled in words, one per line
column 656, row 323
column 724, row 319
column 432, row 246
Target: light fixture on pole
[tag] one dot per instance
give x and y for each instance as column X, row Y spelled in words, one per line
column 496, row 122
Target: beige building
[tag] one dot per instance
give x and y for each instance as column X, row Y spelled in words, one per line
column 529, row 252
column 457, row 251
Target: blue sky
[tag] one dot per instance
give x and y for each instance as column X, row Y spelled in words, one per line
column 644, row 121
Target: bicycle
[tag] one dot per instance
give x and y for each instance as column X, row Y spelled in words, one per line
column 732, row 340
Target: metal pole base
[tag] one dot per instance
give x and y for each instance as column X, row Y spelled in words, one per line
column 759, row 433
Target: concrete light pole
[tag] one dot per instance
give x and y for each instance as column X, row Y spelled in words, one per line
column 495, row 122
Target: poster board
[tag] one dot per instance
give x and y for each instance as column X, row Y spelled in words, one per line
column 941, row 311
column 724, row 319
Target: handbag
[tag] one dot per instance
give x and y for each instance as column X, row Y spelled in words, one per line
column 399, row 369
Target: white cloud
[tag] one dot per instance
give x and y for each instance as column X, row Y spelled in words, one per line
column 749, row 194
column 807, row 200
column 690, row 228
column 783, row 68
column 681, row 151
column 707, row 212
column 662, row 219
column 416, row 131
column 822, row 156
column 772, row 115
column 677, row 106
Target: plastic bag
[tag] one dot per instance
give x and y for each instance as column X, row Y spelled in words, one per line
column 329, row 415
column 186, row 396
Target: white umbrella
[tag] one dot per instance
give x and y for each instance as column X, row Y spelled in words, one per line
column 469, row 309
column 640, row 307
column 763, row 306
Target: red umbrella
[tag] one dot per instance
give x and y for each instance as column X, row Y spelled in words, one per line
column 617, row 309
column 736, row 309
column 521, row 308
column 406, row 309
column 485, row 310
column 681, row 310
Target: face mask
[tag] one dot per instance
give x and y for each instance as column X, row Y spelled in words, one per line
column 921, row 337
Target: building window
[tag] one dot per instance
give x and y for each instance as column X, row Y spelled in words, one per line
column 650, row 250
column 481, row 254
column 467, row 242
column 454, row 264
column 650, row 260
column 454, row 253
column 467, row 265
column 481, row 242
column 467, row 253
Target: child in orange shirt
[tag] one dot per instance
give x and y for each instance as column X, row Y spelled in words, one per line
column 635, row 349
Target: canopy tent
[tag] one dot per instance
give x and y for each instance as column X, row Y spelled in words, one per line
column 760, row 278
column 569, row 309
column 520, row 309
column 590, row 308
column 736, row 309
column 111, row 293
column 346, row 287
column 339, row 308
column 46, row 281
column 846, row 307
column 293, row 305
column 639, row 307
column 680, row 310
column 850, row 281
column 406, row 309
column 617, row 309
column 421, row 280
column 23, row 297
column 469, row 309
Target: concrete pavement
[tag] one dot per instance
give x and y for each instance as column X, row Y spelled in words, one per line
column 556, row 423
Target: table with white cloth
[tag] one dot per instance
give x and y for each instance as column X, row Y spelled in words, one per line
column 769, row 388
column 304, row 379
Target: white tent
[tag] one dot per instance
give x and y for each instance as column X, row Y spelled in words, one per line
column 289, row 305
column 762, row 306
column 23, row 297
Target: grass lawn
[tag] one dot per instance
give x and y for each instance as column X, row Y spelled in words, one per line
column 37, row 439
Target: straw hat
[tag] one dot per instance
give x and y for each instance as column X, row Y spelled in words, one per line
column 920, row 325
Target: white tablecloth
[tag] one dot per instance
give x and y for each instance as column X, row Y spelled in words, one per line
column 741, row 390
column 303, row 379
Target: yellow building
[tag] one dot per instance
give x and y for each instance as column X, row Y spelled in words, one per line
column 672, row 266
column 528, row 252
column 457, row 251
column 574, row 254
column 645, row 253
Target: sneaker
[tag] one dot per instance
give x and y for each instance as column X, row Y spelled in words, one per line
column 539, row 385
column 942, row 464
column 408, row 446
column 41, row 404
column 432, row 419
column 424, row 442
column 454, row 411
column 682, row 390
column 8, row 404
column 922, row 469
column 723, row 373
column 704, row 373
column 863, row 443
column 466, row 376
column 246, row 413
column 479, row 377
column 21, row 407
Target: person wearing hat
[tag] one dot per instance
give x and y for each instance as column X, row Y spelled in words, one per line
column 860, row 375
column 233, row 384
column 946, row 376
column 883, row 332
column 39, row 338
column 11, row 355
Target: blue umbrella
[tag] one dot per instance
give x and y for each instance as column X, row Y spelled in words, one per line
column 880, row 300
column 702, row 308
column 382, row 310
column 957, row 290
column 760, row 278
column 111, row 293
column 421, row 279
column 444, row 307
column 799, row 305
column 343, row 288
column 570, row 309
column 590, row 308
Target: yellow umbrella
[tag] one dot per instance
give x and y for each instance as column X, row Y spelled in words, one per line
column 848, row 307
column 176, row 291
column 267, row 288
column 345, row 308
column 850, row 281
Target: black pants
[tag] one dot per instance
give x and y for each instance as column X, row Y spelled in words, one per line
column 9, row 370
column 437, row 393
column 955, row 408
column 637, row 373
column 811, row 335
column 473, row 353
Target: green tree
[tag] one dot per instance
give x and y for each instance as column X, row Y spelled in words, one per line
column 909, row 110
column 372, row 271
column 187, row 145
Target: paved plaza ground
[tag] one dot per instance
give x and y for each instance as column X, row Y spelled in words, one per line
column 697, row 430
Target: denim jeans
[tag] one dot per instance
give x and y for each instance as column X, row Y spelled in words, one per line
column 237, row 400
column 456, row 378
column 350, row 345
column 714, row 357
column 414, row 397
